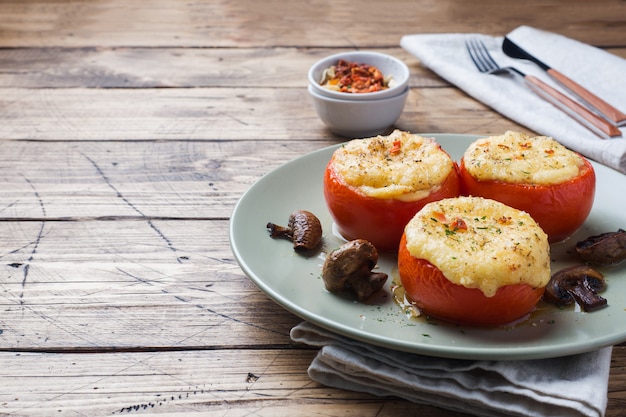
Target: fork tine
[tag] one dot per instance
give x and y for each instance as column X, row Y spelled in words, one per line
column 486, row 54
column 473, row 53
column 480, row 55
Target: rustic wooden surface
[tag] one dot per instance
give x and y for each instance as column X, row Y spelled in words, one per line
column 129, row 130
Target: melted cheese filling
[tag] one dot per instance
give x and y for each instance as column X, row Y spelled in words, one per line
column 400, row 166
column 480, row 243
column 518, row 158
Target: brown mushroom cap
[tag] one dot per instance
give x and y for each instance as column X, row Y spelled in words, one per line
column 304, row 230
column 307, row 230
column 348, row 269
column 579, row 283
column 604, row 249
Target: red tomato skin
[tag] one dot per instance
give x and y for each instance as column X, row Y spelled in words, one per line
column 438, row 297
column 559, row 209
column 380, row 221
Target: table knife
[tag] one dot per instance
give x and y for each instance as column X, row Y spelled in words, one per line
column 605, row 109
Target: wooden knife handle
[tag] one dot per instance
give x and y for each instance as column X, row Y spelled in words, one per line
column 596, row 102
column 595, row 123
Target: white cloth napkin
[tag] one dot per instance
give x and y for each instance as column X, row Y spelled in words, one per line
column 572, row 386
column 599, row 71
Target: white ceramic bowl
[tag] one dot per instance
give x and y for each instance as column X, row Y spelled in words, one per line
column 387, row 64
column 358, row 118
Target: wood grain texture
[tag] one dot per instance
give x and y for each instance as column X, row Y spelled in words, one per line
column 141, row 284
column 126, row 67
column 179, row 67
column 72, row 180
column 267, row 382
column 59, row 114
column 321, row 23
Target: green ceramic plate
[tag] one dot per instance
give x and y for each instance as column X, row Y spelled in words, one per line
column 295, row 281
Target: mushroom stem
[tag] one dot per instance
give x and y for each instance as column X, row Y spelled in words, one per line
column 586, row 296
column 279, row 231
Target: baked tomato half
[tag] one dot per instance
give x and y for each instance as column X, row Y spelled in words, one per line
column 438, row 297
column 560, row 209
column 378, row 220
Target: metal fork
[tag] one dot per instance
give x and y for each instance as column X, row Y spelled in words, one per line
column 486, row 64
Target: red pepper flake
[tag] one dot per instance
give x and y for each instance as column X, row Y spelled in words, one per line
column 504, row 220
column 458, row 224
column 440, row 217
column 526, row 145
column 549, row 151
column 356, row 77
column 453, row 226
column 397, row 147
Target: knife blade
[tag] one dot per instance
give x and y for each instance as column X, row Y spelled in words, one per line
column 608, row 111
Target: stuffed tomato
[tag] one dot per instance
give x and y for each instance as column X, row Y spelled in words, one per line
column 474, row 261
column 374, row 186
column 555, row 185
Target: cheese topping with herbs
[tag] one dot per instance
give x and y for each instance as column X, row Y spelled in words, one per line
column 480, row 243
column 519, row 158
column 401, row 166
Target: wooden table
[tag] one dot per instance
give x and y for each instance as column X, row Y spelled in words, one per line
column 129, row 131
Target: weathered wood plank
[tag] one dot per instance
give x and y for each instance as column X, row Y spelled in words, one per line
column 98, row 285
column 215, row 114
column 216, row 383
column 163, row 179
column 73, row 180
column 180, row 67
column 237, row 382
column 224, row 23
column 175, row 67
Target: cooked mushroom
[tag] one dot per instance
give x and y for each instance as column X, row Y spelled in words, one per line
column 579, row 283
column 604, row 249
column 348, row 269
column 304, row 230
